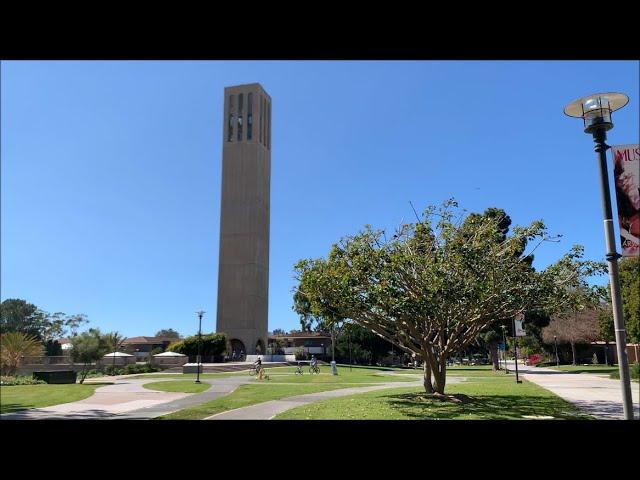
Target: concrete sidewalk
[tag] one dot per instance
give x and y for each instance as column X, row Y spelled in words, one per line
column 595, row 395
column 128, row 399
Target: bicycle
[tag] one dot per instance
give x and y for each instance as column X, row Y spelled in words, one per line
column 299, row 370
column 254, row 371
column 314, row 369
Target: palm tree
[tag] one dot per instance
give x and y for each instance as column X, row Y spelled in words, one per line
column 114, row 340
column 14, row 346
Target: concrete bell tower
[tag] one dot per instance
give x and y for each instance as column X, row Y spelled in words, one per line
column 243, row 274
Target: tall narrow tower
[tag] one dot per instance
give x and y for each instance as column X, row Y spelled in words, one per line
column 243, row 275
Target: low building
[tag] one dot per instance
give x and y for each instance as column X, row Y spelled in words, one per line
column 312, row 343
column 170, row 359
column 141, row 347
column 118, row 359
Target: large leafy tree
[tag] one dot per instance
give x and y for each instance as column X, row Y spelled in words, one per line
column 17, row 315
column 629, row 269
column 168, row 333
column 630, row 289
column 577, row 326
column 88, row 347
column 211, row 344
column 435, row 285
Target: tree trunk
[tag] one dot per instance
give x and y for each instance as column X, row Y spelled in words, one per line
column 83, row 375
column 573, row 352
column 493, row 350
column 428, row 386
column 440, row 376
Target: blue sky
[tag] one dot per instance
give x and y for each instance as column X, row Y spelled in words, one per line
column 111, row 171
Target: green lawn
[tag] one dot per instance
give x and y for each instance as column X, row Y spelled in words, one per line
column 492, row 396
column 189, row 376
column 21, row 397
column 184, row 386
column 346, row 376
column 243, row 396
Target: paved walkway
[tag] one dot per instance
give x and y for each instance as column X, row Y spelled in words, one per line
column 595, row 395
column 128, row 399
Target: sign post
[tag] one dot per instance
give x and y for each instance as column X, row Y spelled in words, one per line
column 518, row 331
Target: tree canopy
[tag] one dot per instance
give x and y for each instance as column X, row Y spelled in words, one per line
column 436, row 284
column 212, row 344
column 89, row 347
column 17, row 315
column 168, row 333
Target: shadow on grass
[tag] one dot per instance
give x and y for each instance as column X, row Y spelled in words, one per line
column 495, row 407
column 13, row 407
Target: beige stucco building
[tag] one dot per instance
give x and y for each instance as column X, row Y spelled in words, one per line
column 243, row 275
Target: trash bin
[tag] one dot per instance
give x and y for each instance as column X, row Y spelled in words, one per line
column 334, row 368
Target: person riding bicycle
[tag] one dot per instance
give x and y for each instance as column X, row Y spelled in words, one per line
column 299, row 368
column 258, row 364
column 314, row 362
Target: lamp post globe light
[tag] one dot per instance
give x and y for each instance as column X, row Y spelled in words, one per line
column 200, row 314
column 595, row 111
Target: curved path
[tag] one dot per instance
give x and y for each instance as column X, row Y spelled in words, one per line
column 128, row 399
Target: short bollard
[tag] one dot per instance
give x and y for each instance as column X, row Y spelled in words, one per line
column 334, row 368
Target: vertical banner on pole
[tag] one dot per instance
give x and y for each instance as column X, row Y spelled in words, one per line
column 626, row 171
column 519, row 330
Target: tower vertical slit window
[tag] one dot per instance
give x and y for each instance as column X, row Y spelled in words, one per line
column 230, row 125
column 249, row 116
column 261, row 119
column 268, row 132
column 240, row 102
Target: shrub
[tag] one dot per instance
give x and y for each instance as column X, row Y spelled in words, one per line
column 135, row 369
column 535, row 359
column 94, row 373
column 113, row 370
column 19, row 380
column 634, row 372
column 301, row 354
column 213, row 344
column 546, row 364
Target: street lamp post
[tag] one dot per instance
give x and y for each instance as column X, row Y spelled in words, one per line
column 200, row 314
column 350, row 362
column 595, row 110
column 555, row 342
column 334, row 369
